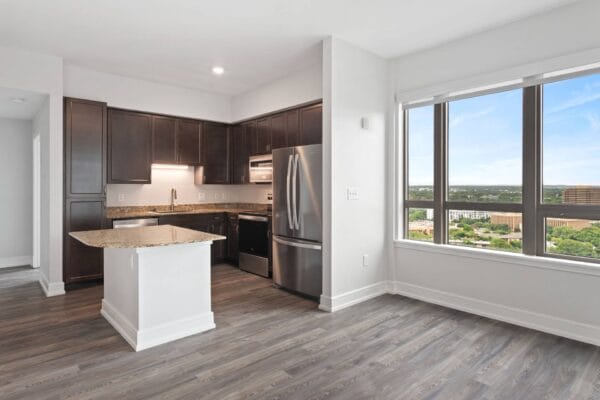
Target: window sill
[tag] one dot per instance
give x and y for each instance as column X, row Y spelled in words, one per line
column 540, row 262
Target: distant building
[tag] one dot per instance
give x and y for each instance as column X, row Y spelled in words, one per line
column 572, row 223
column 425, row 227
column 582, row 195
column 455, row 215
column 513, row 220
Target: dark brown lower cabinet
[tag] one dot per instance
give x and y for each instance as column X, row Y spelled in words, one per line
column 212, row 223
column 81, row 262
column 233, row 231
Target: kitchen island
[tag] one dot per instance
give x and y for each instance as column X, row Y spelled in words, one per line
column 156, row 282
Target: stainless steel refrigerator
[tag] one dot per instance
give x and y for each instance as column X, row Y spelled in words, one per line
column 298, row 219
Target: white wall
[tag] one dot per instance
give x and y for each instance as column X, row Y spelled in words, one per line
column 555, row 296
column 562, row 38
column 16, row 192
column 136, row 94
column 159, row 192
column 355, row 85
column 43, row 74
column 297, row 88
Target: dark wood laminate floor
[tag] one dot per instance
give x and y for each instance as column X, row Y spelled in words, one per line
column 271, row 345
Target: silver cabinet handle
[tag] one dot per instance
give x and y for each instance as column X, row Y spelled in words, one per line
column 287, row 192
column 294, row 189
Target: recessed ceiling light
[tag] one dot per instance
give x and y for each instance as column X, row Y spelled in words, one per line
column 218, row 70
column 18, row 100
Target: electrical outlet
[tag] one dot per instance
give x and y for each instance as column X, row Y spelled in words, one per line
column 269, row 196
column 352, row 193
column 365, row 260
column 121, row 198
column 201, row 196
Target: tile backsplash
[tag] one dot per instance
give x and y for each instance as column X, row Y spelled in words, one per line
column 159, row 191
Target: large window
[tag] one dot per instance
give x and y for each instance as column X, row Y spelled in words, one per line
column 514, row 171
column 485, row 148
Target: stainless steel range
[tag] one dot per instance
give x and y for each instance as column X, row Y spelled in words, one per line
column 254, row 239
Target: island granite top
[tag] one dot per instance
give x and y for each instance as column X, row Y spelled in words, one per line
column 145, row 236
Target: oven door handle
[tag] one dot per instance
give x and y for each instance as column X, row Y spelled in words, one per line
column 287, row 191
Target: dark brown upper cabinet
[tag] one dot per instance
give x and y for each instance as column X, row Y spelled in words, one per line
column 239, row 155
column 215, row 154
column 292, row 127
column 278, row 131
column 163, row 140
column 129, row 147
column 263, row 136
column 251, row 131
column 85, row 148
column 188, row 142
column 311, row 125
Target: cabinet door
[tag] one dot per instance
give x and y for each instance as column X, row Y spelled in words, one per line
column 188, row 142
column 215, row 153
column 292, row 127
column 239, row 155
column 81, row 262
column 278, row 131
column 232, row 238
column 263, row 136
column 163, row 140
column 218, row 226
column 130, row 147
column 250, row 128
column 311, row 125
column 85, row 148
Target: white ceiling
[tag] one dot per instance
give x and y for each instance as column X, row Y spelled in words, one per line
column 26, row 110
column 256, row 41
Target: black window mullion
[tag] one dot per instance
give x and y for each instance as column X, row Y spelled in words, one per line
column 440, row 177
column 531, row 169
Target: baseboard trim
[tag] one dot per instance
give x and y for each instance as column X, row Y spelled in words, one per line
column 344, row 300
column 20, row 261
column 144, row 339
column 51, row 289
column 120, row 323
column 540, row 322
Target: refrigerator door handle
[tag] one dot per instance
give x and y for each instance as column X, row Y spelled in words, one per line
column 287, row 192
column 302, row 245
column 294, row 191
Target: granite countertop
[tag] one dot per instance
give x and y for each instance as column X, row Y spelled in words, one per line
column 183, row 209
column 146, row 236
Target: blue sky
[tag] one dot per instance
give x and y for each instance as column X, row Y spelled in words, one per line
column 485, row 137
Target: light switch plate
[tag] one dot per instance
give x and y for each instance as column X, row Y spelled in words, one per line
column 352, row 193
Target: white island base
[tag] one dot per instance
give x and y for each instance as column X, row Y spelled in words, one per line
column 154, row 295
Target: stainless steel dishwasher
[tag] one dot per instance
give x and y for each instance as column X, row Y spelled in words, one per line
column 134, row 223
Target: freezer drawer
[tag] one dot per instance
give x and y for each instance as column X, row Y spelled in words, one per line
column 298, row 266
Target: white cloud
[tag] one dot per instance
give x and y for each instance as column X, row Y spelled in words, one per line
column 580, row 99
column 465, row 117
column 594, row 120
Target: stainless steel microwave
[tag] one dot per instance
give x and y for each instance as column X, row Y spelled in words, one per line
column 261, row 168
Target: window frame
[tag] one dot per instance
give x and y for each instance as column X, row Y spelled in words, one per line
column 532, row 208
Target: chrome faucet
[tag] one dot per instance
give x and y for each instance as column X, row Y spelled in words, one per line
column 173, row 198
